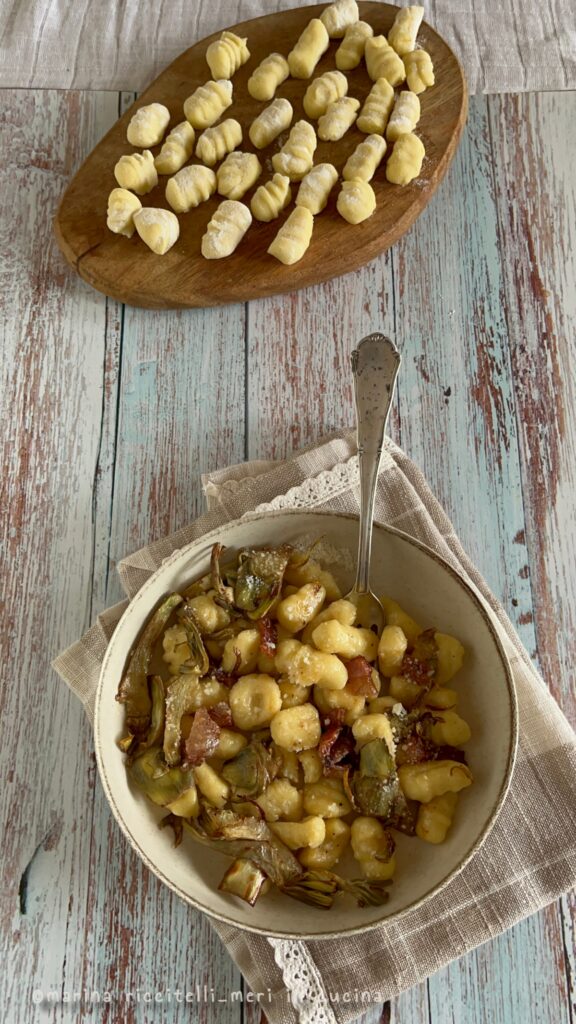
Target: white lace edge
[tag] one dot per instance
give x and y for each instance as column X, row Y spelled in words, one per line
column 318, row 489
column 303, row 982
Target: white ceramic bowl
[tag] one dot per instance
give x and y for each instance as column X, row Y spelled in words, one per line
column 435, row 595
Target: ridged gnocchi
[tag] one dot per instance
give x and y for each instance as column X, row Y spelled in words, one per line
column 383, row 62
column 294, row 237
column 297, row 154
column 351, row 49
column 176, row 149
column 339, row 117
column 377, row 107
column 365, row 159
column 225, row 55
column 436, row 817
column 356, row 201
column 207, row 103
column 313, row 194
column 405, row 163
column 404, row 117
column 304, row 56
column 273, row 120
column 402, row 35
column 136, row 172
column 225, row 230
column 122, row 205
column 271, row 198
column 190, row 187
column 159, row 229
column 266, row 78
column 323, row 91
column 147, row 125
column 419, row 70
column 338, row 16
column 237, row 173
column 215, row 143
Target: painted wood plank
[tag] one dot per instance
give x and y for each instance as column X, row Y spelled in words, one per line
column 53, row 331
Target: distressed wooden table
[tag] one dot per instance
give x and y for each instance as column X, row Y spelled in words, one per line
column 111, row 413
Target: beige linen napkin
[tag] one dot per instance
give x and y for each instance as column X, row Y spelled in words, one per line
column 502, row 45
column 528, row 859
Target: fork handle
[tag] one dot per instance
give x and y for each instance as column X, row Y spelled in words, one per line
column 375, row 365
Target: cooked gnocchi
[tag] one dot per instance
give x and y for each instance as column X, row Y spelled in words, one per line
column 278, row 719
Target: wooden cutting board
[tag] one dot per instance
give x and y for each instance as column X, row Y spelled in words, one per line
column 128, row 271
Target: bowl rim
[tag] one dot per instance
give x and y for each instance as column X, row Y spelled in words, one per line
column 481, row 606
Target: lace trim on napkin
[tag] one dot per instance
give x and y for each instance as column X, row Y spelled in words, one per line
column 303, row 982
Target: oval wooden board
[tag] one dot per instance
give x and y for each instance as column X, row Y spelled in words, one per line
column 128, row 271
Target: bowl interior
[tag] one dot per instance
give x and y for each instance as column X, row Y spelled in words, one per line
column 434, row 595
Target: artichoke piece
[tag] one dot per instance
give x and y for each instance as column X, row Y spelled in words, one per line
column 375, row 784
column 155, row 732
column 133, row 688
column 176, row 824
column 180, row 700
column 163, row 785
column 244, row 879
column 249, row 839
column 251, row 770
column 198, row 660
column 259, row 579
column 226, row 594
column 319, row 888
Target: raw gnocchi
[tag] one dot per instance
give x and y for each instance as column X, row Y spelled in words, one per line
column 404, row 117
column 136, row 172
column 159, row 229
column 271, row 198
column 313, row 42
column 237, row 173
column 226, row 55
column 297, row 154
column 405, row 163
column 122, row 205
column 225, row 230
column 294, row 237
column 419, row 70
column 207, row 103
column 378, row 105
column 215, row 143
column 176, row 149
column 351, row 49
column 313, row 194
column 339, row 117
column 270, row 123
column 323, row 91
column 266, row 78
column 338, row 16
column 383, row 62
column 365, row 159
column 190, row 187
column 147, row 125
column 356, row 201
column 402, row 35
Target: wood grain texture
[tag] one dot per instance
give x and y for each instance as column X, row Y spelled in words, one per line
column 111, row 413
column 127, row 270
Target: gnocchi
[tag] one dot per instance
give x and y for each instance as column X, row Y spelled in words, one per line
column 435, row 818
column 296, row 611
column 147, row 125
column 429, row 779
column 310, row 831
column 270, row 123
column 293, row 238
column 383, row 62
column 176, row 150
column 373, row 848
column 339, row 16
column 122, row 205
column 240, row 654
column 255, row 700
column 281, row 801
column 419, row 70
column 207, row 103
column 404, row 117
column 238, row 173
column 341, row 610
column 330, row 850
column 210, row 617
column 402, row 35
column 313, row 194
column 159, row 229
column 136, row 172
column 304, row 56
column 406, row 160
column 377, row 107
column 353, row 705
column 269, row 74
column 225, row 230
column 190, row 187
column 226, row 55
column 351, row 49
column 327, row 799
column 270, row 199
column 215, row 143
column 296, row 157
column 339, row 117
column 365, row 159
column 391, row 650
column 296, row 728
column 323, row 91
column 348, row 641
column 306, row 666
